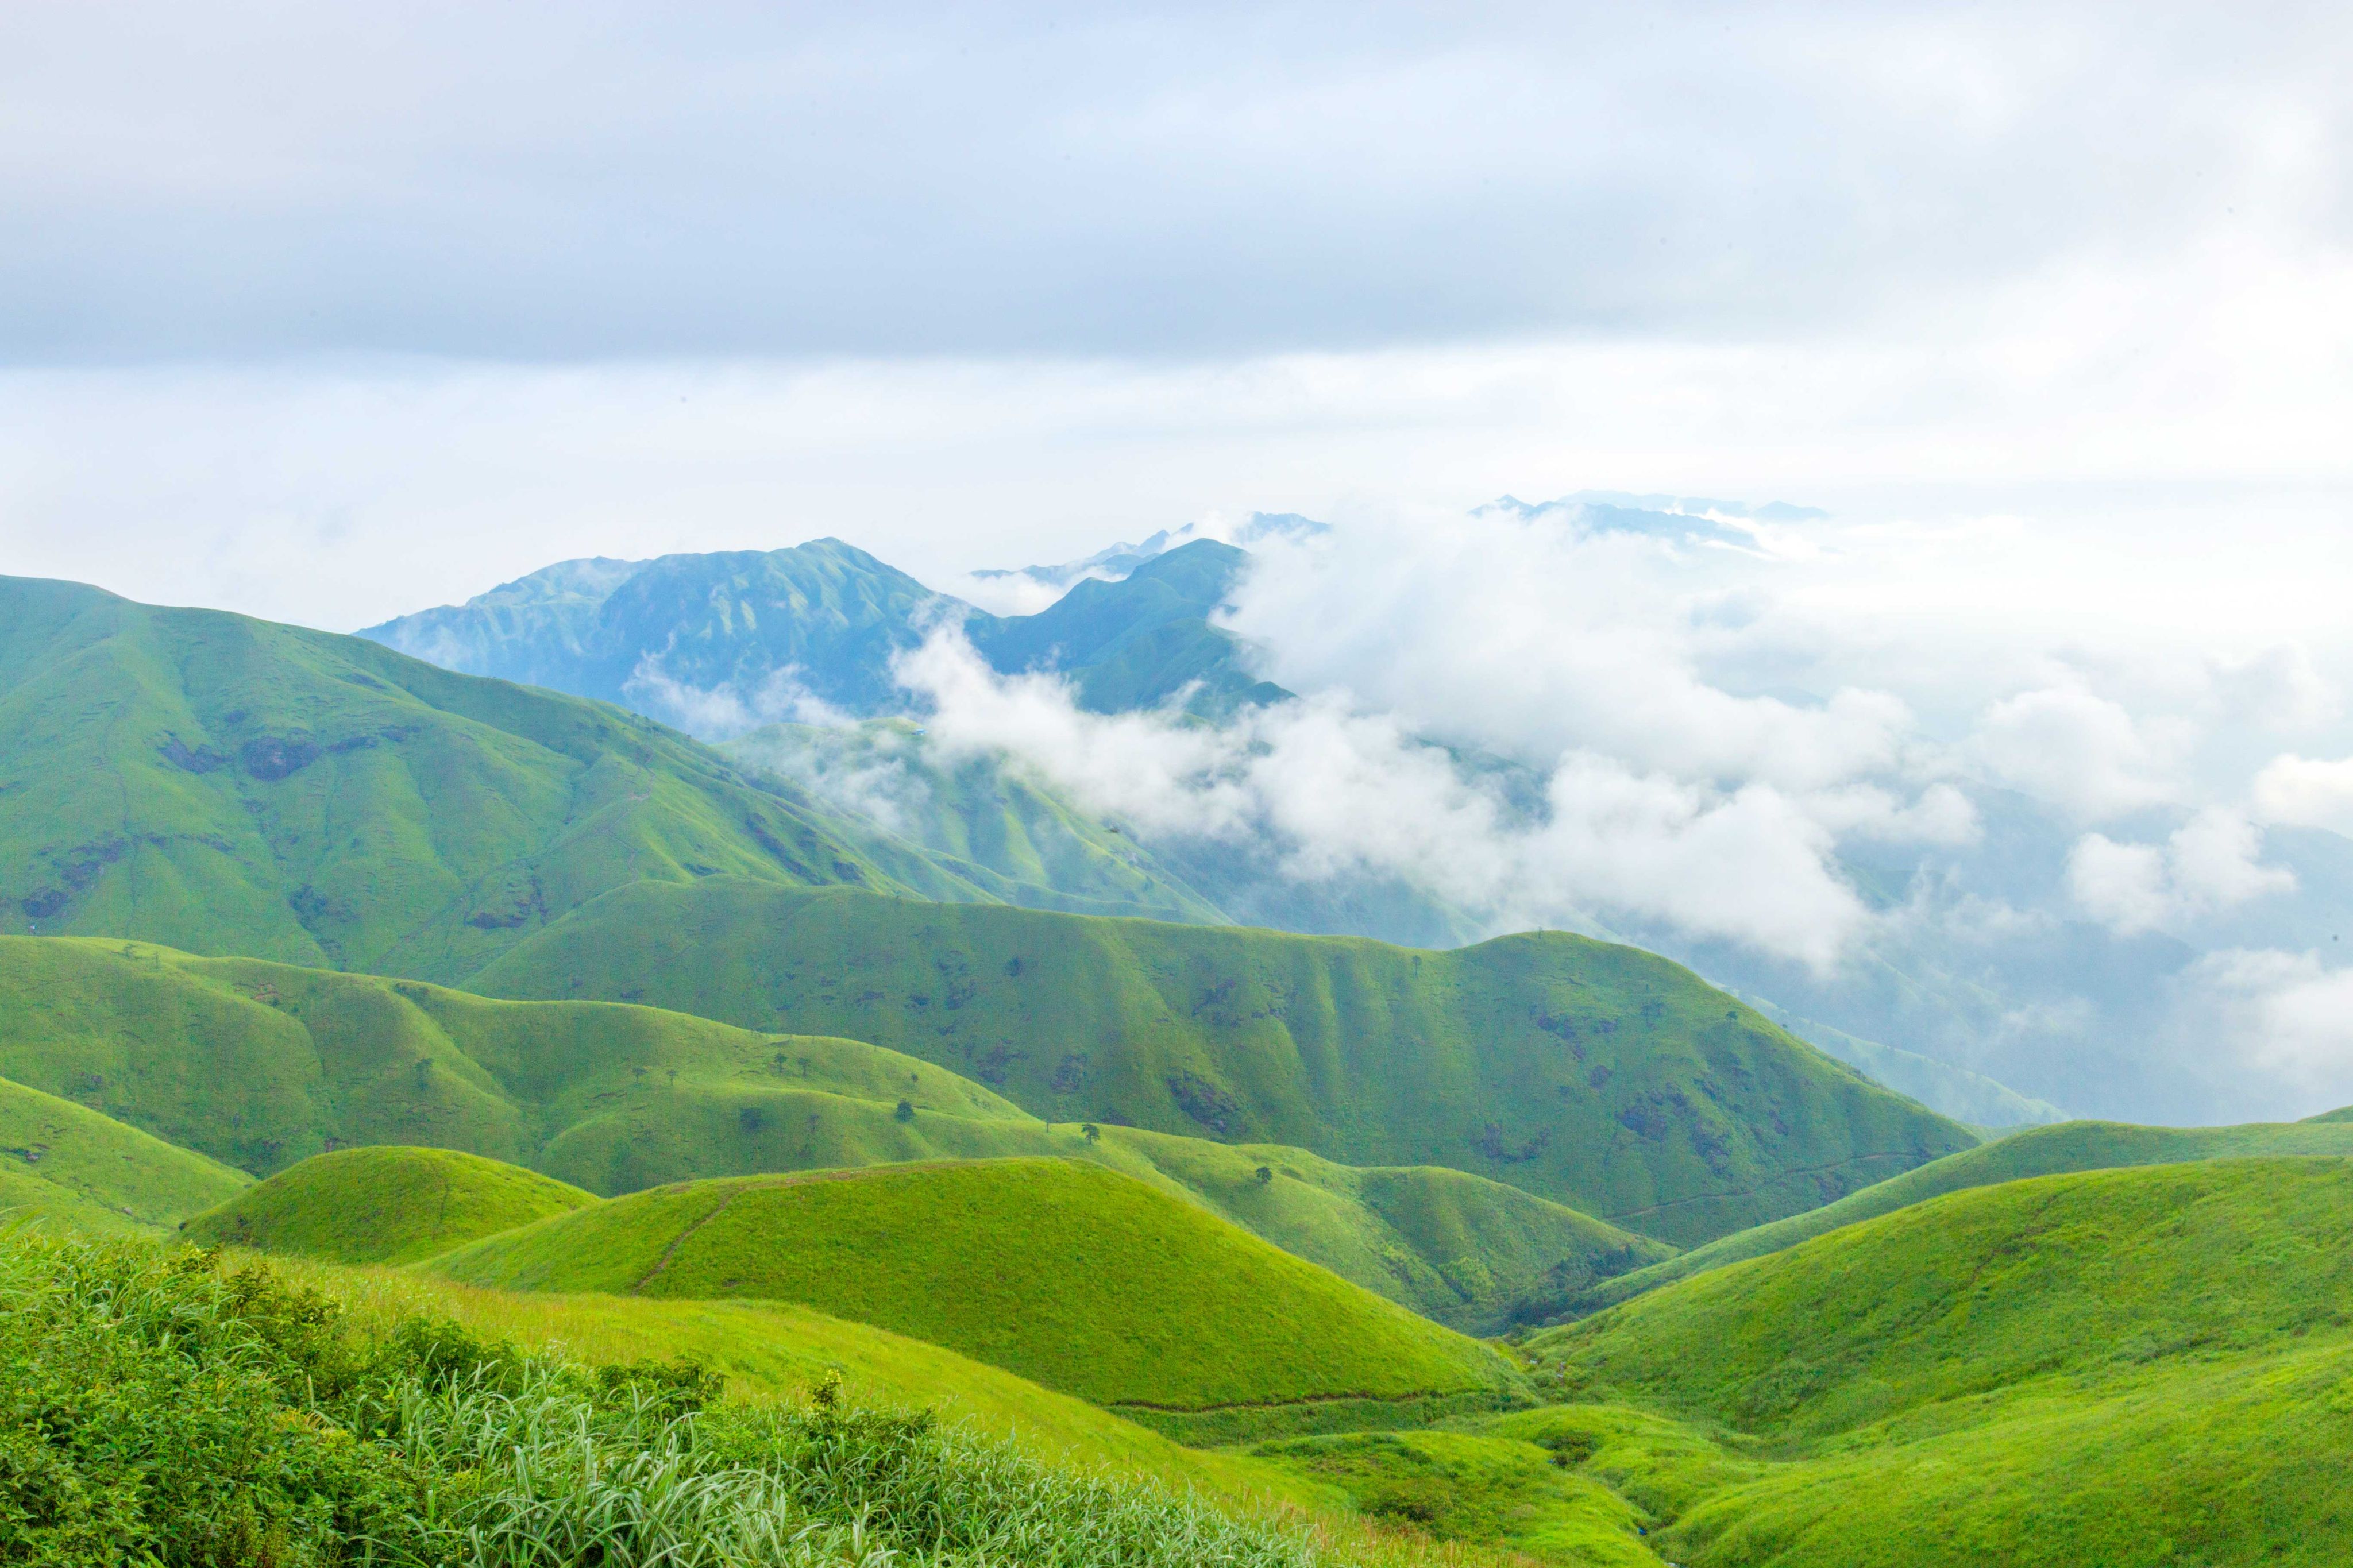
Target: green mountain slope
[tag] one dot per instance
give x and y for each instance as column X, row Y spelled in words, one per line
column 1600, row 1076
column 2037, row 1151
column 1057, row 1270
column 265, row 1065
column 386, row 1205
column 2131, row 1367
column 1138, row 642
column 64, row 1161
column 226, row 784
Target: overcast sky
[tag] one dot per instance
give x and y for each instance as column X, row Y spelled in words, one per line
column 331, row 312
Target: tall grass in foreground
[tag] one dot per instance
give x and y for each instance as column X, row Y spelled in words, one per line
column 155, row 1409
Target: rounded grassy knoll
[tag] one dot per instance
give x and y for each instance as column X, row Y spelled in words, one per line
column 2086, row 1272
column 1067, row 1273
column 2046, row 1150
column 383, row 1205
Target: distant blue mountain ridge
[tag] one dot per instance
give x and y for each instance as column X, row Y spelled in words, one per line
column 718, row 643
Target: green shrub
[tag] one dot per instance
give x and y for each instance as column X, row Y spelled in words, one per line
column 158, row 1409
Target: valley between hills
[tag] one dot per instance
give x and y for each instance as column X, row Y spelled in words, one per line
column 435, row 1109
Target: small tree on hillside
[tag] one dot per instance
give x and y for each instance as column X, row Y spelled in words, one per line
column 1093, row 1134
column 1265, row 1175
column 906, row 1111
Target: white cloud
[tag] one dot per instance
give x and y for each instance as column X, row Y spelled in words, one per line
column 2209, row 864
column 723, row 711
column 1321, row 789
column 2307, row 792
column 2286, row 1016
column 864, row 768
column 2084, row 752
column 1541, row 637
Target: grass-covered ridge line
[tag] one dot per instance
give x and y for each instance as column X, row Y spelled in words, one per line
column 1601, row 1076
column 64, row 1161
column 2037, row 1151
column 2136, row 1367
column 263, row 1065
column 1063, row 1272
column 387, row 1205
column 259, row 1064
column 160, row 1410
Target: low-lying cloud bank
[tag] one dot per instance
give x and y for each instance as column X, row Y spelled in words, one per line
column 1324, row 789
column 1578, row 715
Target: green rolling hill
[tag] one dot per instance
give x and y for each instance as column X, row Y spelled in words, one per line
column 265, row 1065
column 64, row 1161
column 389, row 1205
column 2134, row 1367
column 2037, row 1151
column 1601, row 1076
column 1058, row 1270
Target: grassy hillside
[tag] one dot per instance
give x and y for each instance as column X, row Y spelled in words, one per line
column 322, row 800
column 63, row 1162
column 264, row 1065
column 2037, row 1151
column 1599, row 1076
column 383, row 1206
column 2086, row 1272
column 1061, row 1272
column 2131, row 1367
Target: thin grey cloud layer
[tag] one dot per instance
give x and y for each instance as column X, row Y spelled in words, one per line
column 538, row 182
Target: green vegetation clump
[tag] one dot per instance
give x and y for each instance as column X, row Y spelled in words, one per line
column 2037, row 1151
column 66, row 1162
column 1600, row 1076
column 386, row 1205
column 1064, row 1272
column 162, row 1411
